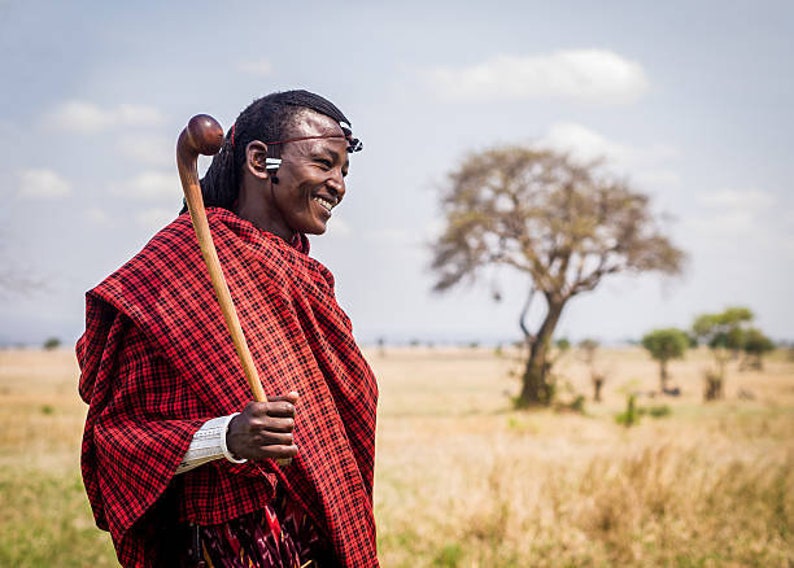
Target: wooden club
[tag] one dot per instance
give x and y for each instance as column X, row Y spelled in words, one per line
column 203, row 135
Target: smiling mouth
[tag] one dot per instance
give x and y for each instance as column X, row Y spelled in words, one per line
column 327, row 205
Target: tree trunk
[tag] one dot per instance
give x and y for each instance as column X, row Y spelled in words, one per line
column 537, row 388
column 598, row 383
column 662, row 375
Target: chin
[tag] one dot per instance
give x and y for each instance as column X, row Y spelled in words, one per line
column 315, row 230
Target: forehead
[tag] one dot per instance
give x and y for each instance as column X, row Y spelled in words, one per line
column 309, row 123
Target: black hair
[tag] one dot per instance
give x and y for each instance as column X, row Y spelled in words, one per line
column 266, row 119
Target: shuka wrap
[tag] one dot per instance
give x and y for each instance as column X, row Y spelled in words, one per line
column 157, row 361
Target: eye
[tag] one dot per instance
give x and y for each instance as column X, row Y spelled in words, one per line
column 325, row 163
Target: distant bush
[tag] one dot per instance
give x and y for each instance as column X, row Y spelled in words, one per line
column 52, row 343
column 659, row 411
column 630, row 416
column 633, row 412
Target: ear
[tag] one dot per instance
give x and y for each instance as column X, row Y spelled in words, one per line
column 255, row 159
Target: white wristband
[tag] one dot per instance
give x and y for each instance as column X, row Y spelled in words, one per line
column 209, row 444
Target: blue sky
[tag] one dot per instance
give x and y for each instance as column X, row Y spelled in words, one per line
column 691, row 101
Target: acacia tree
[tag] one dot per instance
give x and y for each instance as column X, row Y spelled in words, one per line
column 755, row 345
column 665, row 345
column 723, row 332
column 565, row 224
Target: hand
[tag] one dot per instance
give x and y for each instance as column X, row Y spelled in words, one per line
column 264, row 429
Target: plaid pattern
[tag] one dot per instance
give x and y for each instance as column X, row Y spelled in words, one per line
column 156, row 362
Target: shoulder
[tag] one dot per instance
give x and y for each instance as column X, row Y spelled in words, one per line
column 168, row 257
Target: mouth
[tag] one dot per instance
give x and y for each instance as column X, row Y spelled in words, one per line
column 325, row 203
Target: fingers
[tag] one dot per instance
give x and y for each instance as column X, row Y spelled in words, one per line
column 265, row 429
column 283, row 405
column 282, row 409
column 291, row 397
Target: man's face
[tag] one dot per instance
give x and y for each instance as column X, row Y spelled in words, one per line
column 311, row 176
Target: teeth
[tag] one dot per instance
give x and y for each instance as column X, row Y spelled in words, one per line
column 327, row 204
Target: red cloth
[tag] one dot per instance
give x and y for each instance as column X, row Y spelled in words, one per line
column 157, row 361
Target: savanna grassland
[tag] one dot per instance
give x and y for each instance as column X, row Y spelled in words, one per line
column 464, row 480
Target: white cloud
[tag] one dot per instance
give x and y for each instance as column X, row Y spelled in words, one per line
column 155, row 218
column 88, row 118
column 97, row 216
column 151, row 185
column 590, row 75
column 149, row 150
column 649, row 166
column 723, row 223
column 732, row 199
column 658, row 178
column 730, row 213
column 583, row 143
column 42, row 184
column 137, row 115
column 259, row 67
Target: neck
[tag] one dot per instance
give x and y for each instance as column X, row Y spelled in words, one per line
column 258, row 211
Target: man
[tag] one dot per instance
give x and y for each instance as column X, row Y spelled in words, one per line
column 178, row 464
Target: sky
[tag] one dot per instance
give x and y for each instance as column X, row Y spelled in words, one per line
column 691, row 101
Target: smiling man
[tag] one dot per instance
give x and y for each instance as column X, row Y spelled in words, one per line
column 179, row 465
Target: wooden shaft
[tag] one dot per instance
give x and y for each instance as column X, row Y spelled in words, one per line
column 203, row 135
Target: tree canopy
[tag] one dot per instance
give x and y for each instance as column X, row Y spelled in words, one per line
column 566, row 224
column 724, row 329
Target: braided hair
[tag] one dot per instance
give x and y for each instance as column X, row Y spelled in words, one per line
column 265, row 119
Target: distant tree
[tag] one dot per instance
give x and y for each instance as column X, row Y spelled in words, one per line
column 52, row 343
column 589, row 348
column 756, row 344
column 665, row 345
column 561, row 347
column 724, row 335
column 564, row 224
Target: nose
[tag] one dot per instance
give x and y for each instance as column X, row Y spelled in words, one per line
column 336, row 184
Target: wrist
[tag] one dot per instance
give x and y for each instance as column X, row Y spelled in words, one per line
column 227, row 453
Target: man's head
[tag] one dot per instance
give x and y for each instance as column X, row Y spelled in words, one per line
column 272, row 119
column 311, row 177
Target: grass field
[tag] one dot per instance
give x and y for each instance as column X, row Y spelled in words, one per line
column 463, row 480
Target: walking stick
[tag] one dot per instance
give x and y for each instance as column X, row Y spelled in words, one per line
column 203, row 135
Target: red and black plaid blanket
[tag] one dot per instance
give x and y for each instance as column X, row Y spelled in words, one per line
column 156, row 362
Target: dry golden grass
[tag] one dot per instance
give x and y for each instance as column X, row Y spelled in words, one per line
column 464, row 480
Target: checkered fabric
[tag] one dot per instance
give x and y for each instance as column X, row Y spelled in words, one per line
column 157, row 361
